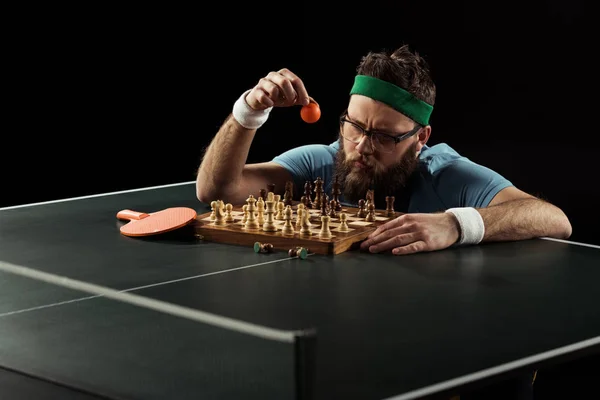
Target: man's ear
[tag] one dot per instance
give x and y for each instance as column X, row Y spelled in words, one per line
column 423, row 137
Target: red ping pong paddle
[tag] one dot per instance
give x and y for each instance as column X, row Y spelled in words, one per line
column 146, row 224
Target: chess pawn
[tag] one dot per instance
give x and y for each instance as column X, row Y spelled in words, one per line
column 332, row 211
column 288, row 228
column 280, row 208
column 325, row 232
column 304, row 200
column 371, row 212
column 245, row 215
column 362, row 212
column 212, row 210
column 263, row 247
column 300, row 252
column 228, row 214
column 343, row 223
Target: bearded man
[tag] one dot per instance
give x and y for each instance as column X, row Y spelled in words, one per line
column 446, row 199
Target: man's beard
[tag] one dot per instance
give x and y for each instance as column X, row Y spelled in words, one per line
column 383, row 181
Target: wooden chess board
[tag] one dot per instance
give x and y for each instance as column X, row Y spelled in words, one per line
column 233, row 232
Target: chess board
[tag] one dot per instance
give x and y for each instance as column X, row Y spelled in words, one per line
column 233, row 232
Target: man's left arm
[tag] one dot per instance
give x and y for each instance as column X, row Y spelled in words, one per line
column 515, row 215
column 487, row 208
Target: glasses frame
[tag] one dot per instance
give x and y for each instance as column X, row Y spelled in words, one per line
column 371, row 132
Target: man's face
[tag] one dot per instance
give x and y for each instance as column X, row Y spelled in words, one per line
column 360, row 167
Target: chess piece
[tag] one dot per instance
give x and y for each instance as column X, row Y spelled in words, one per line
column 251, row 222
column 245, row 215
column 269, row 224
column 287, row 196
column 262, row 193
column 335, row 194
column 300, row 252
column 389, row 210
column 308, row 194
column 370, row 212
column 280, row 208
column 263, row 247
column 217, row 206
column 288, row 228
column 303, row 200
column 370, row 197
column 260, row 211
column 300, row 216
column 212, row 211
column 318, row 193
column 228, row 214
column 325, row 232
column 332, row 211
column 343, row 222
column 271, row 187
column 305, row 226
column 362, row 211
column 324, row 205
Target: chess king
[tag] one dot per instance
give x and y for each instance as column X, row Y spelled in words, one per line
column 380, row 145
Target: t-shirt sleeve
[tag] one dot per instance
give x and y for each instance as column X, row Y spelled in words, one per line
column 463, row 183
column 308, row 162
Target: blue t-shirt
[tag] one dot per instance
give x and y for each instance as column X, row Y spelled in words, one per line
column 443, row 178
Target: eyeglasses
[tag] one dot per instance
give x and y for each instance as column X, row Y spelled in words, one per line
column 380, row 141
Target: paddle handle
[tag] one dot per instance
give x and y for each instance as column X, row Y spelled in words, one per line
column 131, row 215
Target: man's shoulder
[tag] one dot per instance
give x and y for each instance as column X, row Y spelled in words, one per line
column 438, row 157
column 307, row 162
column 311, row 153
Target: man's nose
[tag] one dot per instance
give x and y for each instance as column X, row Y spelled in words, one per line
column 364, row 146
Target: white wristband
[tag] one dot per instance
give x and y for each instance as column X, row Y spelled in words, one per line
column 471, row 224
column 248, row 117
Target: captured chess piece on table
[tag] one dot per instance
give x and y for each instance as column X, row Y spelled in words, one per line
column 300, row 252
column 263, row 247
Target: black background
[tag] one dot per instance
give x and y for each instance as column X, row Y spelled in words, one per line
column 108, row 99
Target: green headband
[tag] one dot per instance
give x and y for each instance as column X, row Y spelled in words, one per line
column 394, row 96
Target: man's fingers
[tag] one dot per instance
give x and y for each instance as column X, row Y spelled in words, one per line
column 262, row 98
column 270, row 88
column 393, row 242
column 287, row 94
column 383, row 232
column 411, row 248
column 302, row 97
column 388, row 225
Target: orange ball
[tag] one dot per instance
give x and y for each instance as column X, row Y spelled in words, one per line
column 310, row 113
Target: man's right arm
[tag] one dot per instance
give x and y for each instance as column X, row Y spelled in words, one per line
column 223, row 173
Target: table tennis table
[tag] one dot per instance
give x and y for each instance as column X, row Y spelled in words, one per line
column 89, row 313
